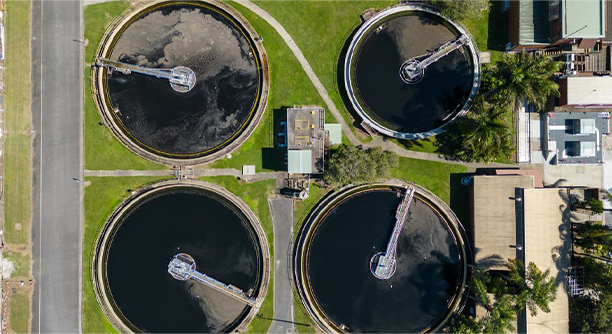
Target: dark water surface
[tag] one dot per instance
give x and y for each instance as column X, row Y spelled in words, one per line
column 191, row 222
column 215, row 110
column 418, row 107
column 427, row 274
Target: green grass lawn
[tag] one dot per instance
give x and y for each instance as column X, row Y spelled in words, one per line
column 303, row 324
column 102, row 150
column 97, row 17
column 17, row 155
column 289, row 86
column 17, row 97
column 301, row 209
column 489, row 30
column 17, row 188
column 255, row 195
column 432, row 175
column 19, row 308
column 102, row 196
column 321, row 29
column 21, row 263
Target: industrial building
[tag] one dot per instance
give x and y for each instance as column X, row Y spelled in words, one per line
column 575, row 137
column 534, row 25
column 511, row 218
column 307, row 136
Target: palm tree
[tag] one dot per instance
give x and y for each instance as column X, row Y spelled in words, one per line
column 536, row 289
column 518, row 76
column 594, row 238
column 484, row 134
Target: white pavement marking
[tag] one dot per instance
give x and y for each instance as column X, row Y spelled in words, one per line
column 42, row 3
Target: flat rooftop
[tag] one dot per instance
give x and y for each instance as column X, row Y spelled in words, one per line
column 494, row 217
column 305, row 140
column 589, row 90
column 576, row 137
column 547, row 245
column 582, row 19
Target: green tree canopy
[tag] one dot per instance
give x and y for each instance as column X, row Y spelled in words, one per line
column 536, row 289
column 350, row 164
column 504, row 298
column 589, row 315
column 458, row 10
column 593, row 238
column 518, row 76
column 592, row 204
column 592, row 312
column 481, row 136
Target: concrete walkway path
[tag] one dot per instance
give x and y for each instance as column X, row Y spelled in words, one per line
column 378, row 141
column 119, row 173
column 196, row 173
column 282, row 218
column 305, row 65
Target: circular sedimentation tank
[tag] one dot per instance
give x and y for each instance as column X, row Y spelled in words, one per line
column 333, row 262
column 181, row 82
column 387, row 89
column 203, row 227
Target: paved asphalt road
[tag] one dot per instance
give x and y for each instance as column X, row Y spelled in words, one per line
column 282, row 217
column 57, row 198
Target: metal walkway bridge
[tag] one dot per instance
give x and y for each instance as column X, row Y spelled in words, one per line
column 183, row 267
column 413, row 69
column 382, row 265
column 182, row 79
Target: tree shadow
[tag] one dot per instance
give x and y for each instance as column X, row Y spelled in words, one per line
column 450, row 142
column 412, row 144
column 274, row 158
column 562, row 254
column 460, row 200
column 497, row 26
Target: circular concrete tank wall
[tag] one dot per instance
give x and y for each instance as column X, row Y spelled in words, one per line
column 161, row 120
column 338, row 241
column 201, row 222
column 378, row 87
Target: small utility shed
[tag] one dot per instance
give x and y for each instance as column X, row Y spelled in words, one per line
column 493, row 216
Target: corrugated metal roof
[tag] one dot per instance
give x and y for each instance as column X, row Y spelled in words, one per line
column 582, row 19
column 534, row 27
column 335, row 133
column 299, row 161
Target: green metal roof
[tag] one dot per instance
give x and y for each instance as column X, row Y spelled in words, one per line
column 335, row 133
column 534, row 27
column 299, row 161
column 582, row 19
